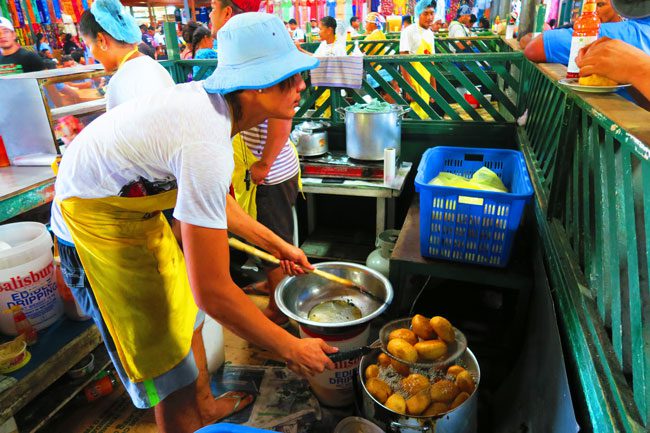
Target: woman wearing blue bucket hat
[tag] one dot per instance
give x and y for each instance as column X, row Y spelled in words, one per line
column 155, row 153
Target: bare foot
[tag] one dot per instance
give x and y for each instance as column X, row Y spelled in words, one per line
column 223, row 406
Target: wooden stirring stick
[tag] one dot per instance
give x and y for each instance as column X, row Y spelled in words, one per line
column 249, row 249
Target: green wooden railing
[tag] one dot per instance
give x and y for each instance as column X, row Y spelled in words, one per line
column 472, row 44
column 497, row 74
column 592, row 183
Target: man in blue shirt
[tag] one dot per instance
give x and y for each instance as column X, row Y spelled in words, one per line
column 553, row 46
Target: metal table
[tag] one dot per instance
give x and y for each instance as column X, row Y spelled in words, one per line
column 385, row 195
column 23, row 189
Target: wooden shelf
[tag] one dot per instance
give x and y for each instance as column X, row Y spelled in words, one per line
column 41, row 410
column 58, row 349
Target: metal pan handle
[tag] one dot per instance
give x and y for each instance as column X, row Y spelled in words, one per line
column 351, row 354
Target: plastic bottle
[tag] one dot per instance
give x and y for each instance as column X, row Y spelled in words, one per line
column 585, row 31
column 103, row 384
column 23, row 326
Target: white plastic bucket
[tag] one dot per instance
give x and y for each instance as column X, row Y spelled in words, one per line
column 214, row 345
column 336, row 387
column 27, row 276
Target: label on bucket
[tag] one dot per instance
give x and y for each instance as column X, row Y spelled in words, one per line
column 36, row 292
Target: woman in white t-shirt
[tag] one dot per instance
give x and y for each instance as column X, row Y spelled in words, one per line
column 155, row 153
column 329, row 47
column 114, row 44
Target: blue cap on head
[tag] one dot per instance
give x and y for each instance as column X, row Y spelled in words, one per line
column 111, row 15
column 255, row 52
column 421, row 5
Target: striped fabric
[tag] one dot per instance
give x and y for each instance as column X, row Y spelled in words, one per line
column 338, row 72
column 284, row 167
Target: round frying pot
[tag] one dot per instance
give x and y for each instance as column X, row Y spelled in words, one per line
column 459, row 420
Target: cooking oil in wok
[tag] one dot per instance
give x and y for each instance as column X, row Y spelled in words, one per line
column 335, row 311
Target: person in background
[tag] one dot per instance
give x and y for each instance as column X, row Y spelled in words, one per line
column 484, row 24
column 464, row 8
column 618, row 60
column 459, row 28
column 552, row 23
column 67, row 62
column 151, row 31
column 328, row 47
column 69, row 44
column 13, row 53
column 48, row 58
column 315, row 31
column 187, row 33
column 41, row 43
column 419, row 39
column 606, row 12
column 354, row 27
column 147, row 50
column 297, row 35
column 554, row 46
column 159, row 36
column 482, row 6
column 202, row 49
column 270, row 159
column 146, row 37
column 78, row 57
column 406, row 21
column 374, row 22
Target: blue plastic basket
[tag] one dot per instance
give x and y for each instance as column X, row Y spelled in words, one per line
column 465, row 225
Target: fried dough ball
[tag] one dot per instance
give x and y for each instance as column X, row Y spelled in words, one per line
column 396, row 403
column 405, row 334
column 443, row 328
column 383, row 360
column 372, row 371
column 460, row 399
column 416, row 404
column 378, row 389
column 403, row 350
column 454, row 370
column 400, row 368
column 431, row 350
column 596, row 80
column 422, row 328
column 414, row 383
column 465, row 382
column 443, row 391
column 436, row 408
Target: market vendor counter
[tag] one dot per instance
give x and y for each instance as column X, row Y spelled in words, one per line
column 23, row 189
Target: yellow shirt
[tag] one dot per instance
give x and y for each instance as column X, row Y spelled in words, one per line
column 374, row 50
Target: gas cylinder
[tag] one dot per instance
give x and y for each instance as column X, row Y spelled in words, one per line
column 379, row 259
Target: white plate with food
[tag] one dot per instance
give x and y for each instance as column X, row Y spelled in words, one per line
column 574, row 84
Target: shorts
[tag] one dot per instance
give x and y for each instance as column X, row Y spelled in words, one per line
column 144, row 394
column 274, row 208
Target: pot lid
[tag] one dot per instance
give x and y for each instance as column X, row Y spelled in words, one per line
column 311, row 126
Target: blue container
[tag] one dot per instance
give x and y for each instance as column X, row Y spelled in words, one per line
column 230, row 428
column 471, row 226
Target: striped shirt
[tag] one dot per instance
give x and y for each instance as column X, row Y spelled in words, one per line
column 286, row 164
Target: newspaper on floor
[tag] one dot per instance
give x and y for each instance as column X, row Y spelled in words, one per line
column 285, row 403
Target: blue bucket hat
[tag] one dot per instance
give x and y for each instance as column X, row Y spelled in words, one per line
column 255, row 52
column 111, row 15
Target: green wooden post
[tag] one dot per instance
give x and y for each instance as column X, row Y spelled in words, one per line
column 171, row 39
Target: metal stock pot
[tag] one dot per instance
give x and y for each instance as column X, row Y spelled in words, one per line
column 368, row 134
column 460, row 420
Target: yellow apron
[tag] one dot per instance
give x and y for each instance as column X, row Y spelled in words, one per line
column 138, row 276
column 246, row 195
column 424, row 48
column 244, row 159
